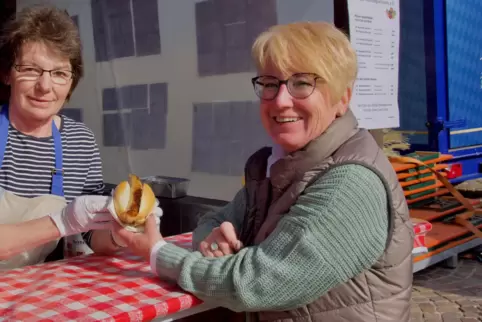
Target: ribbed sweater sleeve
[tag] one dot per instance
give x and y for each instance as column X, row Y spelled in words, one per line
column 337, row 229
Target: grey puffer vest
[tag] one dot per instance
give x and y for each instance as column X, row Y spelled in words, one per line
column 382, row 292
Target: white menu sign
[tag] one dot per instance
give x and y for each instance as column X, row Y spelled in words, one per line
column 375, row 35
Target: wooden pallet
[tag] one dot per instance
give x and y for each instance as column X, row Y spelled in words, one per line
column 417, row 181
column 429, row 198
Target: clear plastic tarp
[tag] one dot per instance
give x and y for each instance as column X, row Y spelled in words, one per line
column 167, row 84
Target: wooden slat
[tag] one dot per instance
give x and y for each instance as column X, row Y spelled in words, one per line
column 416, row 181
column 423, row 256
column 434, row 186
column 429, row 214
column 442, row 233
column 438, row 193
column 399, row 167
column 405, row 175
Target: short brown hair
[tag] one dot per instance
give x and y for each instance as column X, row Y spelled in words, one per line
column 46, row 24
column 313, row 47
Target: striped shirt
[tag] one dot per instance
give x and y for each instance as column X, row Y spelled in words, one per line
column 28, row 162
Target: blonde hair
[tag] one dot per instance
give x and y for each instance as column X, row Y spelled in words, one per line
column 309, row 47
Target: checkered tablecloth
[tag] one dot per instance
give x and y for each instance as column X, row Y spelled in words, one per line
column 91, row 288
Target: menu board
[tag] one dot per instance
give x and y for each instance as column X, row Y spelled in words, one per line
column 375, row 35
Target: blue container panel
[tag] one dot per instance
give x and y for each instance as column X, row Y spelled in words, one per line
column 464, row 68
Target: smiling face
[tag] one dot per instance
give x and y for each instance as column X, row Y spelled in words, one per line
column 311, row 67
column 38, row 99
column 300, row 111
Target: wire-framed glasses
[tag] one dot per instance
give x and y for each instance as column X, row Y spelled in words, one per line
column 300, row 85
column 30, row 72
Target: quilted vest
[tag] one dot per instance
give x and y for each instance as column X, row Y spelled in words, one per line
column 380, row 293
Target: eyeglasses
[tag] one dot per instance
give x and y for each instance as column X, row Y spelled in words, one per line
column 58, row 76
column 300, row 85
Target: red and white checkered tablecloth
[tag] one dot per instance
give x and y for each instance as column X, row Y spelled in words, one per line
column 91, row 288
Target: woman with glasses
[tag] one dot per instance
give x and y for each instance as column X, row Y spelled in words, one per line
column 41, row 152
column 321, row 231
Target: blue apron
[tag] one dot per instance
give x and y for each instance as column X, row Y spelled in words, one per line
column 58, row 172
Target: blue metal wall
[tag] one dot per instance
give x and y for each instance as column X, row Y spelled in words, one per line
column 464, row 68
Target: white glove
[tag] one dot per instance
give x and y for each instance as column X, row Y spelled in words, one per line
column 158, row 214
column 83, row 214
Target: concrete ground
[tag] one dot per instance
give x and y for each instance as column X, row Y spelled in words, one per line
column 448, row 295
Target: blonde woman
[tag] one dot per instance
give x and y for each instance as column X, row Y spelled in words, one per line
column 321, row 231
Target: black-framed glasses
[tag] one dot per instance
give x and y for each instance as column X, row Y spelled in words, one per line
column 300, row 85
column 58, row 76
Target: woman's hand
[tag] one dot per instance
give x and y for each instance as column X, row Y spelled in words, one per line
column 108, row 241
column 221, row 241
column 118, row 241
column 140, row 243
column 83, row 214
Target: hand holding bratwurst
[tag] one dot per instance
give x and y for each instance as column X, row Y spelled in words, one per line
column 134, row 201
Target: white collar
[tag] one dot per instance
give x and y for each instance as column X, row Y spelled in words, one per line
column 277, row 153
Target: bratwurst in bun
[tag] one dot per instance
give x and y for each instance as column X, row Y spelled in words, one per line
column 134, row 201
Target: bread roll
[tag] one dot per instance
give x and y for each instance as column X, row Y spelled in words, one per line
column 133, row 201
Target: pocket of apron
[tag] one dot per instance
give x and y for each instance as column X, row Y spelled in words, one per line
column 15, row 209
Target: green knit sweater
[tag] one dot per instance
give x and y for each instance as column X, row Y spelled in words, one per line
column 337, row 229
